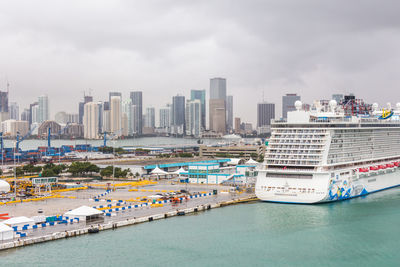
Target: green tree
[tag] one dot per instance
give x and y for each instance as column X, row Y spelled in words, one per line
column 48, row 173
column 19, row 171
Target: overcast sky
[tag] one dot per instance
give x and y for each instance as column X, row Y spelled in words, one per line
column 314, row 48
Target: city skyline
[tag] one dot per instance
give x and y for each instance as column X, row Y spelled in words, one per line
column 60, row 53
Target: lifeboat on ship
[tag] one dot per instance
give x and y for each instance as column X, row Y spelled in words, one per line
column 373, row 168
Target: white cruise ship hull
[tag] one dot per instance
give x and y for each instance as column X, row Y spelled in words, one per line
column 318, row 187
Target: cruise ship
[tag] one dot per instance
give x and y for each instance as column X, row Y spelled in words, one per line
column 321, row 156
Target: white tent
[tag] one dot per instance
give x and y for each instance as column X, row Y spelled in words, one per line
column 251, row 162
column 158, row 171
column 19, row 221
column 181, row 170
column 84, row 213
column 4, row 186
column 234, row 161
column 6, row 232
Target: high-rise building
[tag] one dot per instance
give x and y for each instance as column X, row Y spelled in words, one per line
column 137, row 100
column 200, row 95
column 288, row 101
column 14, row 111
column 193, row 117
column 218, row 115
column 218, row 88
column 165, row 117
column 115, row 115
column 133, row 120
column 100, row 104
column 34, row 112
column 217, row 105
column 31, row 107
column 4, row 112
column 106, row 121
column 44, row 113
column 265, row 112
column 111, row 94
column 127, row 110
column 12, row 127
column 237, row 125
column 178, row 115
column 25, row 115
column 150, row 118
column 229, row 113
column 91, row 120
column 86, row 99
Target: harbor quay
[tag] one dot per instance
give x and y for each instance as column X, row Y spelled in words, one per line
column 64, row 216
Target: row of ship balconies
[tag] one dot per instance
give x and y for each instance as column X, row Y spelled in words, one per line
column 292, row 162
column 298, row 141
column 293, row 131
column 305, row 157
column 298, row 146
column 302, row 136
column 293, row 152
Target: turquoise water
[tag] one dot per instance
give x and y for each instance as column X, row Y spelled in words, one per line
column 363, row 231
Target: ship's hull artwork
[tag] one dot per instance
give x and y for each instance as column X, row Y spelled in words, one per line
column 325, row 187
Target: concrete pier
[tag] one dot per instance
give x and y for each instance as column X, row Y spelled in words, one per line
column 120, row 223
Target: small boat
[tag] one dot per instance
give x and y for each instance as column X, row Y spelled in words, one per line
column 93, row 230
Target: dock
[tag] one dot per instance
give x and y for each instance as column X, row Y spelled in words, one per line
column 126, row 218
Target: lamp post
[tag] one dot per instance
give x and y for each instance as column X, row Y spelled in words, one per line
column 113, row 163
column 15, row 172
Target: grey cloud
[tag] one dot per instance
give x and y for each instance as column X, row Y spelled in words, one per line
column 314, row 48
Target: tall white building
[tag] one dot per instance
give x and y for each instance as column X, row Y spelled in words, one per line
column 106, row 121
column 134, row 119
column 43, row 111
column 127, row 111
column 165, row 114
column 150, row 118
column 115, row 115
column 193, row 117
column 91, row 120
column 35, row 114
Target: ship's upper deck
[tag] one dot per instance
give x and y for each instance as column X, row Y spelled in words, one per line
column 335, row 117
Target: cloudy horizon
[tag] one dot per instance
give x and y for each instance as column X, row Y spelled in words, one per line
column 164, row 48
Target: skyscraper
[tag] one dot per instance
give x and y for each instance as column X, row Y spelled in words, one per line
column 150, row 118
column 217, row 105
column 14, row 111
column 237, row 125
column 115, row 115
column 178, row 115
column 3, row 101
column 193, row 117
column 4, row 112
column 91, row 120
column 86, row 99
column 165, row 117
column 44, row 114
column 265, row 112
column 229, row 113
column 137, row 100
column 217, row 115
column 111, row 94
column 288, row 101
column 127, row 110
column 218, row 88
column 25, row 115
column 201, row 95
